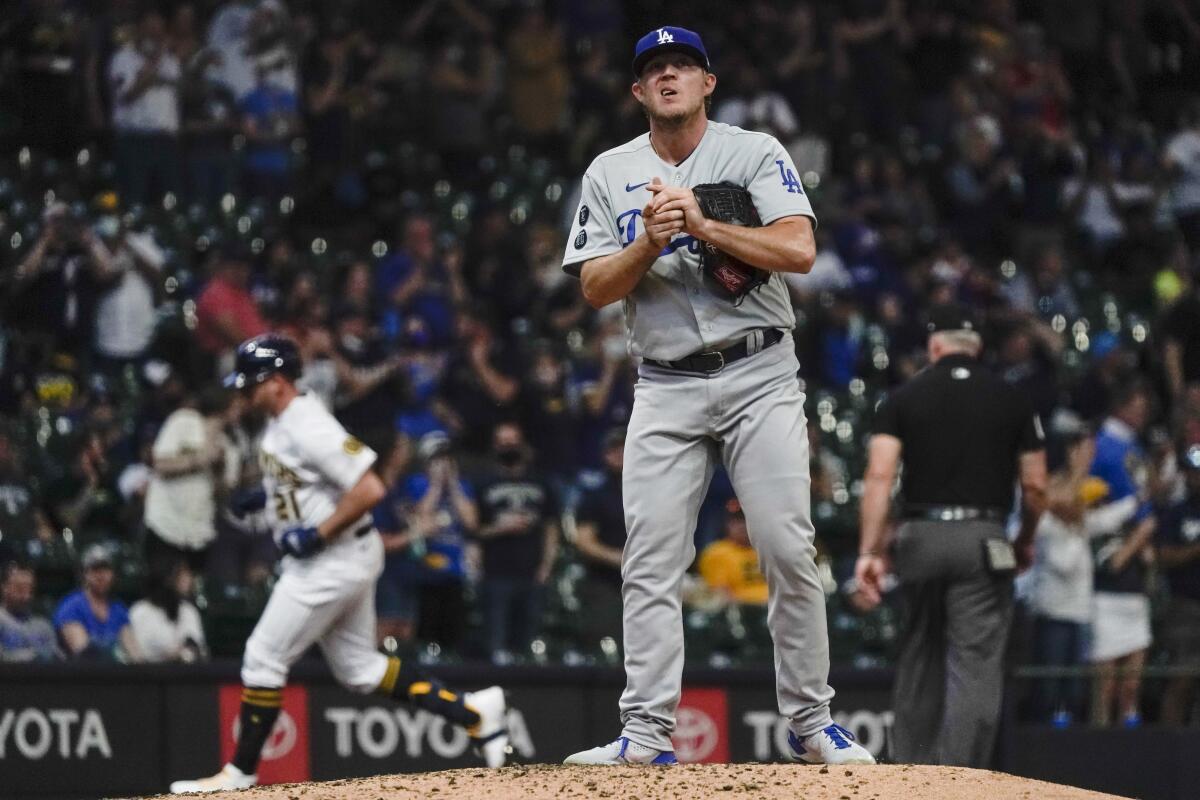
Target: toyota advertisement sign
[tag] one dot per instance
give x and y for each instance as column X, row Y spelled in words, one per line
column 285, row 756
column 66, row 737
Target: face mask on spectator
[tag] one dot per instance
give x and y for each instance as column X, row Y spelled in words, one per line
column 509, row 456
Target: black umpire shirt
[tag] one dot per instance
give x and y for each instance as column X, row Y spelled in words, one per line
column 962, row 429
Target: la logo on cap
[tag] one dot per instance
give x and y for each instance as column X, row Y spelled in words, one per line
column 664, row 36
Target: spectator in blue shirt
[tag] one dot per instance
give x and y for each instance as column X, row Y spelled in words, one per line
column 604, row 383
column 416, row 279
column 397, row 591
column 841, row 342
column 1121, row 609
column 89, row 623
column 24, row 636
column 441, row 513
column 422, row 366
column 270, row 116
column 445, row 503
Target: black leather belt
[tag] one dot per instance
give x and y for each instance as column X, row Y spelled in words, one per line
column 710, row 361
column 955, row 513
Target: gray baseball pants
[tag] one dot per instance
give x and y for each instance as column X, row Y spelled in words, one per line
column 950, row 671
column 750, row 416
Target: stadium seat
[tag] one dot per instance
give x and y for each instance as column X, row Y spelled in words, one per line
column 230, row 612
column 54, row 563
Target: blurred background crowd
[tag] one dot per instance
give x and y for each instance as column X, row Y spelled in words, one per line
column 390, row 184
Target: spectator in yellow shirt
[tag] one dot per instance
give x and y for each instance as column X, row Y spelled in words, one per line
column 730, row 565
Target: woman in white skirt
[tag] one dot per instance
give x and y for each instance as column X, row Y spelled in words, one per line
column 1120, row 622
column 1121, row 609
column 1061, row 591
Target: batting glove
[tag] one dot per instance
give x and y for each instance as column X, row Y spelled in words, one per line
column 300, row 541
column 244, row 502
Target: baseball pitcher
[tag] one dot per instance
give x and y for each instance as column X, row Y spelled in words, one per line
column 689, row 226
column 319, row 491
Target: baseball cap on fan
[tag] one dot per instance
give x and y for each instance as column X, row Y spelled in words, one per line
column 432, row 445
column 96, row 556
column 668, row 39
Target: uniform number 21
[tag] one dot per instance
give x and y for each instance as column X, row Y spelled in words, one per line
column 286, row 507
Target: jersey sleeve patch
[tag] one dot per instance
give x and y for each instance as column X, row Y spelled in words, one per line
column 594, row 228
column 776, row 190
column 323, row 445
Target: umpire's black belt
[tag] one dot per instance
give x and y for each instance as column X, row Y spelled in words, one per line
column 710, row 361
column 955, row 513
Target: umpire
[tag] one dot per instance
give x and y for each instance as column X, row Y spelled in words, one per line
column 965, row 437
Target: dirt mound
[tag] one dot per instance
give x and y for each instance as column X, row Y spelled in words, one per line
column 888, row 782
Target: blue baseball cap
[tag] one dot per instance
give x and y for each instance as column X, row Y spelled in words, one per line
column 668, row 39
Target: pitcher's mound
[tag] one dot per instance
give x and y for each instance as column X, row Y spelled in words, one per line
column 694, row 781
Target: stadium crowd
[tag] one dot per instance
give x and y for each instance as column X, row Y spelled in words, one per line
column 390, row 184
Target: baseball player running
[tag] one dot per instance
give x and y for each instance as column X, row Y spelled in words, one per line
column 319, row 490
column 717, row 381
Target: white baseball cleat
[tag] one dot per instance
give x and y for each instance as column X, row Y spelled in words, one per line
column 830, row 745
column 230, row 777
column 620, row 752
column 490, row 734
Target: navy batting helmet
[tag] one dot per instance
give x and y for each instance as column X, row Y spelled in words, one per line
column 263, row 356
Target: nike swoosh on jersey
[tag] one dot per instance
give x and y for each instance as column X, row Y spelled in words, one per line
column 629, row 188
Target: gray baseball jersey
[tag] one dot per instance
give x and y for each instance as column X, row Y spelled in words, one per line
column 671, row 313
column 748, row 416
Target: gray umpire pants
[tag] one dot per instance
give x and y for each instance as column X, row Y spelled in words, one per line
column 751, row 417
column 950, row 672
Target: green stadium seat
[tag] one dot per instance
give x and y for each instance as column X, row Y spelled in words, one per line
column 230, row 612
column 54, row 563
